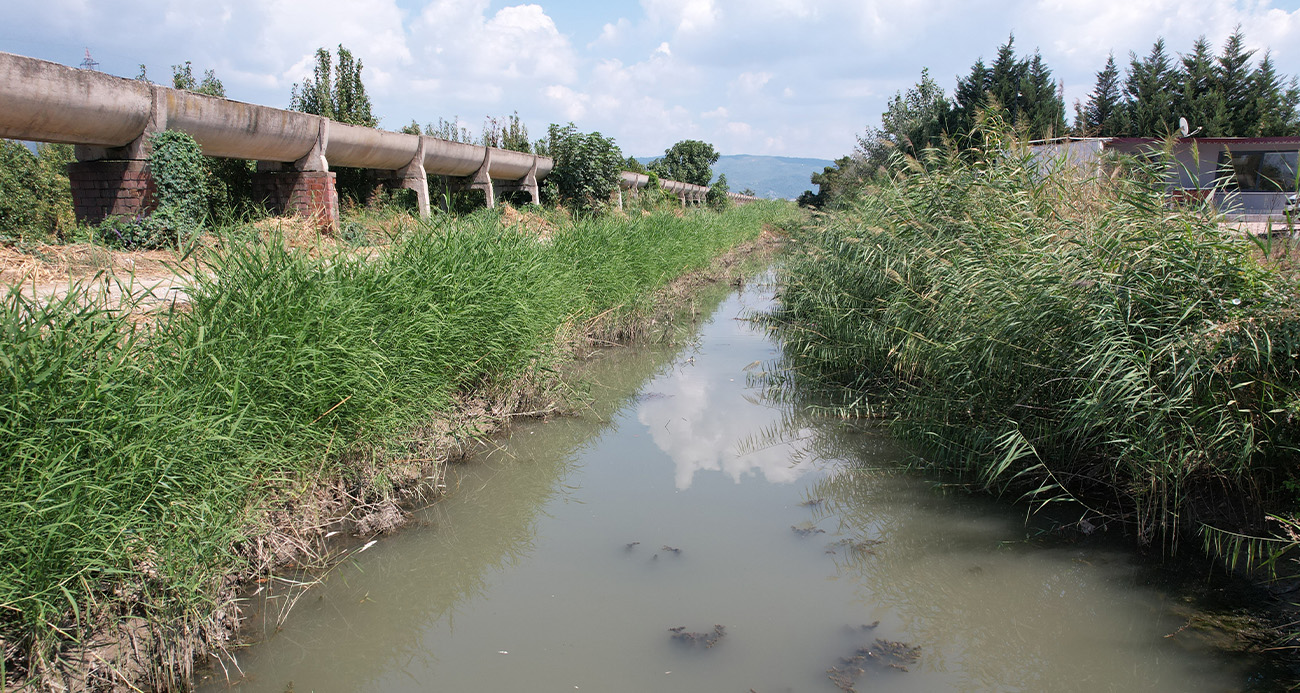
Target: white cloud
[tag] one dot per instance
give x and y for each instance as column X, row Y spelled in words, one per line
column 804, row 76
column 683, row 16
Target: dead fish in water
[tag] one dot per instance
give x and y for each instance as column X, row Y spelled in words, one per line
column 804, row 529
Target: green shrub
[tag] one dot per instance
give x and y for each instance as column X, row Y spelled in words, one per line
column 180, row 173
column 35, row 200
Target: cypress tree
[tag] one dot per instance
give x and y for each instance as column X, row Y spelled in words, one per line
column 968, row 98
column 1233, row 74
column 1197, row 97
column 1103, row 116
column 1148, row 91
column 1274, row 112
column 1042, row 109
column 1005, row 80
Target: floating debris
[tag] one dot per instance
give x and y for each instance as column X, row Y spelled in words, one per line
column 856, row 545
column 670, row 549
column 880, row 655
column 812, row 502
column 632, row 544
column 804, row 529
column 706, row 639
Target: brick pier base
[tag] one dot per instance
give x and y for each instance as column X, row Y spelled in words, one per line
column 309, row 194
column 102, row 189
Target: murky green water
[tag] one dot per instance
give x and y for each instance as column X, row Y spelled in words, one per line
column 561, row 560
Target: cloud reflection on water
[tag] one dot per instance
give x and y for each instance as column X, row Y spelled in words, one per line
column 694, row 421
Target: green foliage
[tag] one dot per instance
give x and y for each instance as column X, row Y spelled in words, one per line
column 1057, row 336
column 183, row 78
column 688, row 161
column 1104, row 115
column 180, row 191
column 837, row 183
column 717, row 195
column 35, row 202
column 913, row 122
column 1022, row 87
column 506, row 133
column 134, row 460
column 336, row 93
column 631, row 164
column 587, row 167
column 229, row 182
column 450, row 130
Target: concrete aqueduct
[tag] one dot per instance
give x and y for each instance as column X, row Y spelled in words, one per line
column 110, row 119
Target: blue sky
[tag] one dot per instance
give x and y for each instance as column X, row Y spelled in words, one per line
column 780, row 77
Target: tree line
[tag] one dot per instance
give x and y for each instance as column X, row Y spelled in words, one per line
column 1228, row 94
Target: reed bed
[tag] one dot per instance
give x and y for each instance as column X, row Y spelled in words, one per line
column 138, row 458
column 1058, row 334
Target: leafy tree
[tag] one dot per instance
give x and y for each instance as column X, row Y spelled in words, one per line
column 183, row 78
column 412, row 129
column 1023, row 88
column 688, row 161
column 1103, row 116
column 836, row 183
column 631, row 164
column 336, row 94
column 1197, row 97
column 450, row 130
column 586, row 167
column 1274, row 103
column 1149, row 89
column 506, row 133
column 1005, row 79
column 914, row 121
column 1042, row 110
column 717, row 195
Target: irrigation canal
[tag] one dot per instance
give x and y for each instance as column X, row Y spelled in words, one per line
column 687, row 534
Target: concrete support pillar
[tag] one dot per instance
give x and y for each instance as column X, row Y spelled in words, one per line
column 116, row 182
column 413, row 177
column 305, row 188
column 482, row 180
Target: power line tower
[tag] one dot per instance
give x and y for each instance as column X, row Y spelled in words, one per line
column 89, row 62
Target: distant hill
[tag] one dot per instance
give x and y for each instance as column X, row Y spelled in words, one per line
column 769, row 176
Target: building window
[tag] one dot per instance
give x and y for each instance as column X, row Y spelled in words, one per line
column 1259, row 171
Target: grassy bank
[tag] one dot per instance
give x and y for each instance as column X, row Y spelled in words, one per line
column 143, row 460
column 1060, row 337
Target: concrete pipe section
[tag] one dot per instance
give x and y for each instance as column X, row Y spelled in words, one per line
column 112, row 117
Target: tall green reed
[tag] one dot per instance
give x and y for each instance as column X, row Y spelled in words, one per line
column 1058, row 333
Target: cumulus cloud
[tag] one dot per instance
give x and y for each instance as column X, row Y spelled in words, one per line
column 803, row 76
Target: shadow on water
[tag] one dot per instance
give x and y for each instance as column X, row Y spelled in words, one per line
column 688, row 533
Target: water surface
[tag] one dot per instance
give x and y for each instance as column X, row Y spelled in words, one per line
column 563, row 556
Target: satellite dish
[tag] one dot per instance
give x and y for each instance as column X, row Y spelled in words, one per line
column 1183, row 128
